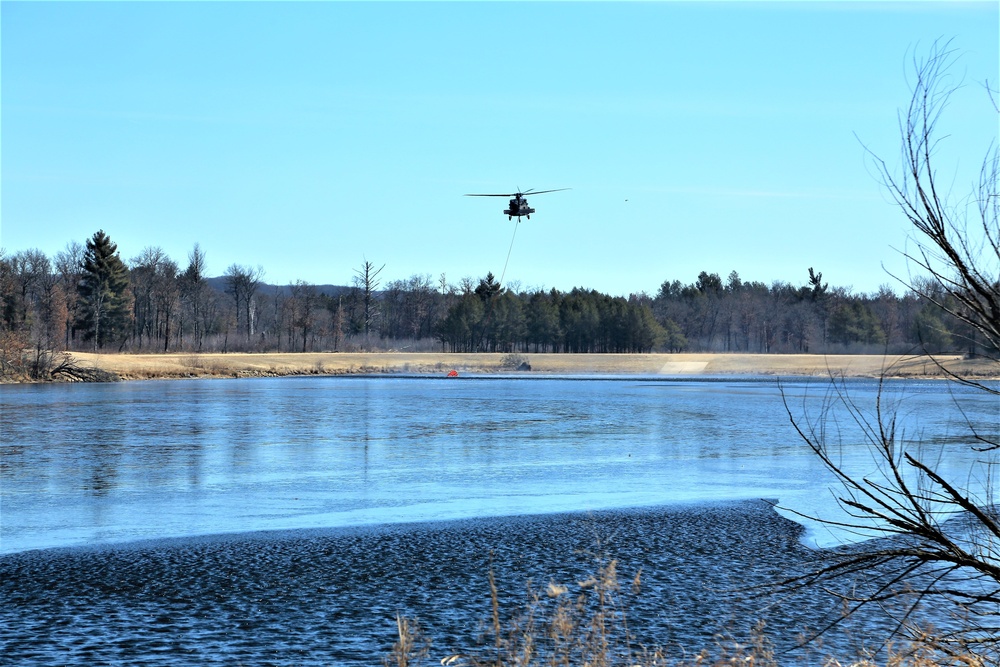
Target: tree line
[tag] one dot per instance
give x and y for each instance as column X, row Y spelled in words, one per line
column 87, row 297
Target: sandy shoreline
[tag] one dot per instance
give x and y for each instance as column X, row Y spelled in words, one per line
column 190, row 365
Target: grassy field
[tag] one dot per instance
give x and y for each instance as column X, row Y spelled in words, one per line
column 187, row 365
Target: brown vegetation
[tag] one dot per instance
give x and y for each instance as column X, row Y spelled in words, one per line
column 154, row 366
column 586, row 623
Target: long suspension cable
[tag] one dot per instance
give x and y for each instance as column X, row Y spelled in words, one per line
column 506, row 261
column 489, row 312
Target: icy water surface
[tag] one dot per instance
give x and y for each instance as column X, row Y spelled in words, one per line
column 90, row 464
column 286, row 521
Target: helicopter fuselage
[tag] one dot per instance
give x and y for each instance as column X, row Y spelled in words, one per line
column 519, row 207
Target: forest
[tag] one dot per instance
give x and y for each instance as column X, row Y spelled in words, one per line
column 88, row 298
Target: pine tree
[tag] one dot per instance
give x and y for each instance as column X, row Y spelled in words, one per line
column 103, row 291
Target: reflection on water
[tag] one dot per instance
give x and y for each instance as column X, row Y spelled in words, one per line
column 86, row 464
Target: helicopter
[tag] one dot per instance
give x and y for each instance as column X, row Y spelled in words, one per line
column 518, row 204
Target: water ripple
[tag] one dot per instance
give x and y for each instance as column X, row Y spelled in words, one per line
column 329, row 597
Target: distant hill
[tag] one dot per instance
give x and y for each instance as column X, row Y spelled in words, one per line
column 219, row 283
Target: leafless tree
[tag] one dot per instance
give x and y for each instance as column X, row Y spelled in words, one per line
column 339, row 322
column 166, row 297
column 53, row 313
column 67, row 264
column 937, row 540
column 305, row 301
column 29, row 270
column 956, row 244
column 242, row 283
column 420, row 299
column 156, row 294
column 934, row 542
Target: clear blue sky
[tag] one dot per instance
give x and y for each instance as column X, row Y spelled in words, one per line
column 309, row 137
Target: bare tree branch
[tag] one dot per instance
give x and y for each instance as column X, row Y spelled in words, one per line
column 960, row 253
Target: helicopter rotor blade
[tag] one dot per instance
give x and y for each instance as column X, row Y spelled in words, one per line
column 542, row 192
column 519, row 193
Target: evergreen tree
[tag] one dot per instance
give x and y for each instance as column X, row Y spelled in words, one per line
column 459, row 329
column 194, row 296
column 930, row 330
column 543, row 321
column 488, row 288
column 103, row 316
column 817, row 288
column 673, row 337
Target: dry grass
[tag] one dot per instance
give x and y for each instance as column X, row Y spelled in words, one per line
column 410, row 647
column 187, row 365
column 585, row 624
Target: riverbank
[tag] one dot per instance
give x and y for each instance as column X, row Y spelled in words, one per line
column 212, row 365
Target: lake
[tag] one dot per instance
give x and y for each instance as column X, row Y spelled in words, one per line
column 287, row 520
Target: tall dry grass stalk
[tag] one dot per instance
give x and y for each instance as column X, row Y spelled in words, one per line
column 411, row 646
column 585, row 624
column 581, row 624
